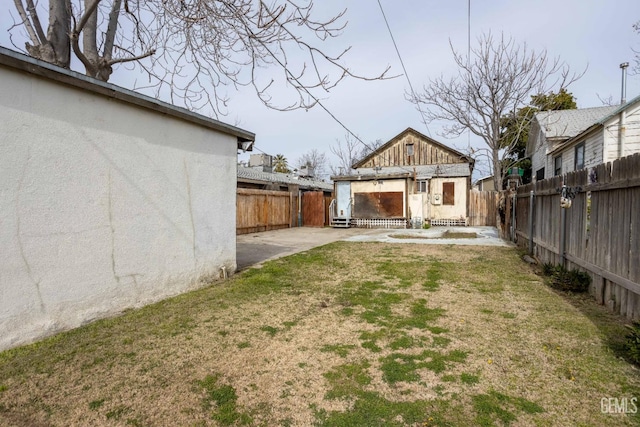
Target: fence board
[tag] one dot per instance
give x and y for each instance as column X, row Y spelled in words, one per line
column 313, row 212
column 603, row 229
column 483, row 207
column 262, row 210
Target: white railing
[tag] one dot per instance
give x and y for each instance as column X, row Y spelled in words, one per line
column 379, row 223
column 332, row 210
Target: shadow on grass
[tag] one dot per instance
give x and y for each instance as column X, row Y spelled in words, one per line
column 610, row 325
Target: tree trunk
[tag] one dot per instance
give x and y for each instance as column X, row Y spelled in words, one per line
column 56, row 49
column 497, row 182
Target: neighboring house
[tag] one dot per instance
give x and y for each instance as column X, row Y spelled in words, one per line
column 410, row 178
column 485, row 184
column 550, row 131
column 109, row 199
column 610, row 138
column 264, row 180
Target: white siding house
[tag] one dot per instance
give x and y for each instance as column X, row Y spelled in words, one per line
column 612, row 137
column 108, row 199
column 551, row 130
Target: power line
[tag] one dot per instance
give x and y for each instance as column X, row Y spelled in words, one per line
column 413, row 92
column 317, row 101
column 468, row 64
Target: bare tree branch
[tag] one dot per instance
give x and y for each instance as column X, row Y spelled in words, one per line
column 497, row 79
column 33, row 13
column 194, row 51
column 27, row 23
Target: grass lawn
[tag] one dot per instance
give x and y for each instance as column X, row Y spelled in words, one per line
column 350, row 334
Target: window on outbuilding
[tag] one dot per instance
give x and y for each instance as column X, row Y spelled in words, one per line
column 448, row 193
column 579, row 159
column 409, row 149
column 423, row 186
column 540, row 174
column 557, row 165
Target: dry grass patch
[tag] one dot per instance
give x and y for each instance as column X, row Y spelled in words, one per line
column 344, row 335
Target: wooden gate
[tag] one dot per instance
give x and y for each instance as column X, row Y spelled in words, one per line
column 313, row 209
column 482, row 207
column 263, row 210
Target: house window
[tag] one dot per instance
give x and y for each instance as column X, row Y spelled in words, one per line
column 540, row 174
column 409, row 149
column 579, row 160
column 423, row 186
column 448, row 193
column 557, row 165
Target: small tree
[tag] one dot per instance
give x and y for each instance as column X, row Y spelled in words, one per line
column 495, row 81
column 350, row 152
column 280, row 164
column 316, row 160
column 347, row 152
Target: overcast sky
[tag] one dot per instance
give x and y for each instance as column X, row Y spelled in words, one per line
column 596, row 34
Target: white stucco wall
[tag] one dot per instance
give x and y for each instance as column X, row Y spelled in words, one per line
column 458, row 209
column 103, row 206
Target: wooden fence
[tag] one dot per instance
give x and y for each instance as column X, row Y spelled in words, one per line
column 483, row 207
column 313, row 209
column 262, row 210
column 599, row 233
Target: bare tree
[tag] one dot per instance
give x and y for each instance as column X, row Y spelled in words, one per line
column 316, row 160
column 350, row 152
column 347, row 154
column 496, row 80
column 192, row 50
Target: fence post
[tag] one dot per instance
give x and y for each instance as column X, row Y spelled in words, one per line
column 531, row 206
column 513, row 218
column 299, row 208
column 563, row 233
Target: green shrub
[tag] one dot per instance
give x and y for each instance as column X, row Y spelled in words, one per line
column 632, row 346
column 566, row 280
column 548, row 269
column 426, row 226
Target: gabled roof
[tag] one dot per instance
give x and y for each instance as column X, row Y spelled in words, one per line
column 402, row 135
column 255, row 175
column 564, row 124
column 617, row 109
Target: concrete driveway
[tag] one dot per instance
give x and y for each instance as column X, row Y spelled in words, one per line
column 253, row 249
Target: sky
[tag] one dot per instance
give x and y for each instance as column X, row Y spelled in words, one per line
column 596, row 35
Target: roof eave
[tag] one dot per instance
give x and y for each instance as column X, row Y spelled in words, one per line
column 399, row 136
column 27, row 64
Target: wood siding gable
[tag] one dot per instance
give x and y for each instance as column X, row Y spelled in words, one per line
column 398, row 152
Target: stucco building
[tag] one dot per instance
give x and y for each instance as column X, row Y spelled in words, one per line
column 108, row 199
